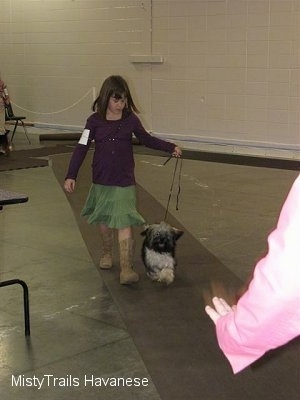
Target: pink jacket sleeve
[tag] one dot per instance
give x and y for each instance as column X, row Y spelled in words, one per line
column 268, row 314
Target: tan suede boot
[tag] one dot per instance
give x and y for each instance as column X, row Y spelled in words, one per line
column 106, row 249
column 127, row 275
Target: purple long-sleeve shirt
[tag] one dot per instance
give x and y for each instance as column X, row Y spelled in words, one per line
column 113, row 162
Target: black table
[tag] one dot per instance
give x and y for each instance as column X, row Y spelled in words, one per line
column 7, row 198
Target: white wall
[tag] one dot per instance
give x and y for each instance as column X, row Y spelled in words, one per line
column 229, row 80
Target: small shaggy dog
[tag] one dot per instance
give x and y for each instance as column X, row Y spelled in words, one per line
column 158, row 251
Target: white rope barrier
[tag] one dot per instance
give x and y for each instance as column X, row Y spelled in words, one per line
column 92, row 90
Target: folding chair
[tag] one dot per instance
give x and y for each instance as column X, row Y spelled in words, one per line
column 10, row 116
column 7, row 198
column 25, row 300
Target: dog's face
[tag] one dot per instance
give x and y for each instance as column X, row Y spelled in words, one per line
column 161, row 237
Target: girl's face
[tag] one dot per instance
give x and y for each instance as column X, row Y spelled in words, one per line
column 115, row 106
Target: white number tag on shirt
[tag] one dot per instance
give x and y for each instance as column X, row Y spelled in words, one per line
column 84, row 137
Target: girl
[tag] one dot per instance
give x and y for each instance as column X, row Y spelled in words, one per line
column 111, row 202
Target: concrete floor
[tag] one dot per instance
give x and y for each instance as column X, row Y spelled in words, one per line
column 77, row 334
column 230, row 209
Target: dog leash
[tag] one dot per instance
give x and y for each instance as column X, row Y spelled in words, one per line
column 172, row 185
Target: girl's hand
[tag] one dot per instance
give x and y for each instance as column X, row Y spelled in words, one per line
column 221, row 309
column 177, row 152
column 69, row 185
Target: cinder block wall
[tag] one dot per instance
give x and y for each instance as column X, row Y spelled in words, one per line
column 220, row 75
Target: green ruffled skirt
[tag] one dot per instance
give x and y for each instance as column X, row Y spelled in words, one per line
column 112, row 206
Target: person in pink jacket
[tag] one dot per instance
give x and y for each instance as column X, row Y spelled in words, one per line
column 267, row 315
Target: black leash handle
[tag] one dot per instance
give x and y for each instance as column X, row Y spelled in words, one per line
column 172, row 185
column 168, row 159
column 179, row 185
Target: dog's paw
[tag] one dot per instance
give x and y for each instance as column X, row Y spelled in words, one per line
column 166, row 275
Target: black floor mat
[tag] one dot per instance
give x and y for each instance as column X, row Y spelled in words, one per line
column 21, row 159
column 173, row 335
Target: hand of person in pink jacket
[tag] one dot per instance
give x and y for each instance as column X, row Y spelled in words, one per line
column 221, row 309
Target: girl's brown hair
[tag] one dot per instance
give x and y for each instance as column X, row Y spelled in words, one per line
column 113, row 86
